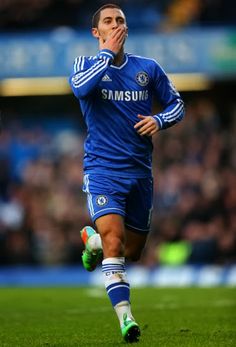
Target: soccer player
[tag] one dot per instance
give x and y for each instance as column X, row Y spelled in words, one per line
column 115, row 91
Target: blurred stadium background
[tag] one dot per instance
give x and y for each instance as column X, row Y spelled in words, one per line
column 42, row 208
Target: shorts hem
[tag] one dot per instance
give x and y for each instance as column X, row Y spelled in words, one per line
column 107, row 211
column 137, row 230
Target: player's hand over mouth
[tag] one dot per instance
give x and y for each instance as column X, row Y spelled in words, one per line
column 114, row 41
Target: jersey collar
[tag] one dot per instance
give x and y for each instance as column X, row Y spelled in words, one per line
column 122, row 65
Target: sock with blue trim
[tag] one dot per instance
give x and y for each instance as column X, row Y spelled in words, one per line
column 117, row 286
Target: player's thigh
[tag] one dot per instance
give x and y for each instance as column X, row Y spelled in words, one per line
column 112, row 231
column 109, row 225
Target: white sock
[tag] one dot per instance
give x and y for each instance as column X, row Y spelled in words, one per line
column 122, row 308
column 117, row 286
column 95, row 242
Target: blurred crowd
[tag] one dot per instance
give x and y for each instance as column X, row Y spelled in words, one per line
column 42, row 207
column 164, row 15
column 195, row 200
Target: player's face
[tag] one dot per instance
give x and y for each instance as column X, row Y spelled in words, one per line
column 110, row 19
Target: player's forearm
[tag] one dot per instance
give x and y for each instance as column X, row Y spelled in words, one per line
column 171, row 115
column 85, row 81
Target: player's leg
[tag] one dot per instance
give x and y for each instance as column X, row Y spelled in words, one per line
column 107, row 210
column 92, row 254
column 134, row 245
column 100, row 201
column 138, row 217
column 112, row 231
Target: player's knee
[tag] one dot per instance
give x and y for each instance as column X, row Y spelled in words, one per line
column 113, row 245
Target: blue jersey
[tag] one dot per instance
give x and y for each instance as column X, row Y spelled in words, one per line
column 110, row 98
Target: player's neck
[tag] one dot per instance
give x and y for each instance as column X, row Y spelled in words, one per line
column 119, row 58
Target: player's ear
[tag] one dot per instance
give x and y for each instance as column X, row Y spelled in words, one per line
column 95, row 33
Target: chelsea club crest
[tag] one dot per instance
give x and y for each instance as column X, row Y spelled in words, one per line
column 101, row 200
column 142, row 78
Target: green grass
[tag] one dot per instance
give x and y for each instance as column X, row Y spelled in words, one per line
column 66, row 317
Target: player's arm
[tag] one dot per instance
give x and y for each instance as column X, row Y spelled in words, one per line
column 170, row 99
column 87, row 74
column 173, row 107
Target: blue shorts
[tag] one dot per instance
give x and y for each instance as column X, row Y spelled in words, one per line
column 131, row 198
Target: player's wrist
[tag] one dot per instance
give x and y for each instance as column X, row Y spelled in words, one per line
column 158, row 121
column 106, row 54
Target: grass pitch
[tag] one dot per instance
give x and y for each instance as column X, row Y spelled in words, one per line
column 82, row 317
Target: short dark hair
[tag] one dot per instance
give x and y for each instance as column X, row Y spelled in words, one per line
column 96, row 16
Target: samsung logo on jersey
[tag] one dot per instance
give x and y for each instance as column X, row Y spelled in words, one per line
column 125, row 95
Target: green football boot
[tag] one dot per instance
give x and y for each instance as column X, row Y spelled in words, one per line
column 90, row 259
column 130, row 330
